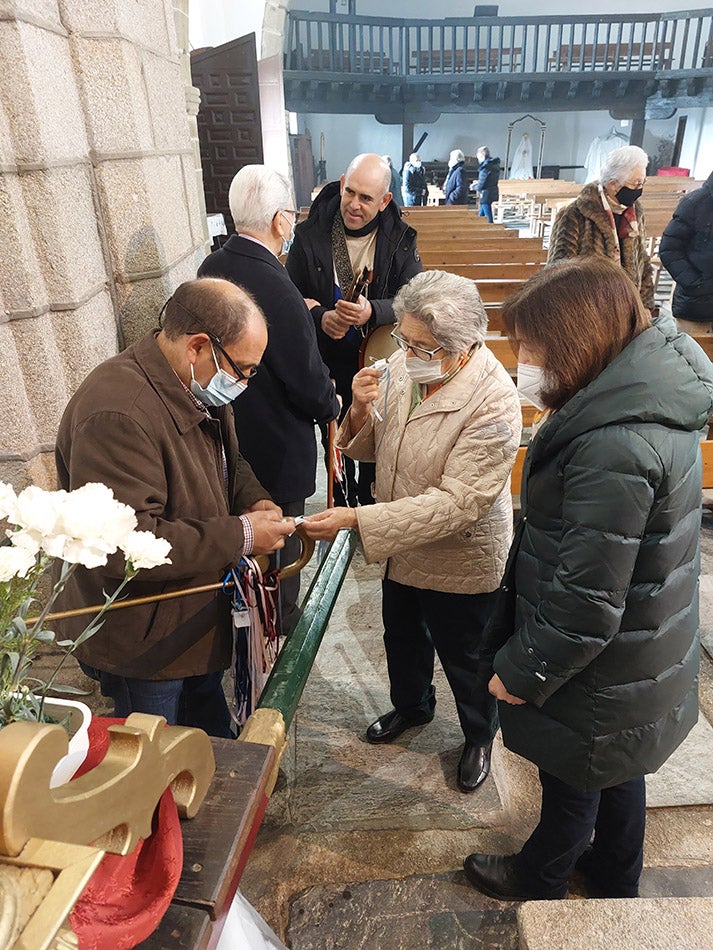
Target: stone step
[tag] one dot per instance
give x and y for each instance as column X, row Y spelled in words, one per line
column 668, row 923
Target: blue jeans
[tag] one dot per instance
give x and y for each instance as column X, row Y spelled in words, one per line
column 486, row 211
column 197, row 701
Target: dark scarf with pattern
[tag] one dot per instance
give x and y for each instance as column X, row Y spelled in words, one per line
column 340, row 252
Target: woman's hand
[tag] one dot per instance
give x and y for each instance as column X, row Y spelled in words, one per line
column 365, row 389
column 496, row 688
column 325, row 525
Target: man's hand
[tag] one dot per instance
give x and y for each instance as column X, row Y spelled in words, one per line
column 270, row 530
column 311, row 302
column 496, row 688
column 356, row 314
column 325, row 525
column 265, row 504
column 334, row 325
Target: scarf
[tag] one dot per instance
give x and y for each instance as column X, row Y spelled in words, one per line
column 627, row 226
column 340, row 251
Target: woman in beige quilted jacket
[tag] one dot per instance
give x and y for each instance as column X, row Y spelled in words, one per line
column 443, row 424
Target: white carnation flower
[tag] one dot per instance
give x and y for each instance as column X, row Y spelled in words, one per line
column 144, row 550
column 93, row 516
column 8, row 501
column 37, row 511
column 14, row 562
column 27, row 540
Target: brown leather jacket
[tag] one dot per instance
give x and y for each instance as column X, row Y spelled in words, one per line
column 132, row 425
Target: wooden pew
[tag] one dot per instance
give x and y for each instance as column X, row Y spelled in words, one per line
column 449, row 60
column 490, row 272
column 614, row 55
column 508, row 254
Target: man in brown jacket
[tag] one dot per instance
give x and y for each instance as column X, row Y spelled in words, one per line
column 155, row 424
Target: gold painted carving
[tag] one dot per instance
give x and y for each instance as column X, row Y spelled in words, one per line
column 111, row 806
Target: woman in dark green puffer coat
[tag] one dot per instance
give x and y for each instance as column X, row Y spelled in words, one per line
column 596, row 644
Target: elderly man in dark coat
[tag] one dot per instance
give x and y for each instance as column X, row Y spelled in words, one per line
column 275, row 419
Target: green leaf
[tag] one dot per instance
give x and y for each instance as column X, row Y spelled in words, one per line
column 70, row 690
column 64, row 643
column 44, row 636
column 89, row 632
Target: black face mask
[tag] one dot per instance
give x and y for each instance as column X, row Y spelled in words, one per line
column 627, row 196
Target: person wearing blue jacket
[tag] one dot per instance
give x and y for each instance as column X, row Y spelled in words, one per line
column 487, row 184
column 455, row 187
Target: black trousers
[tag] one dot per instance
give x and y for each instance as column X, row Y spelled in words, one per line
column 419, row 623
column 568, row 818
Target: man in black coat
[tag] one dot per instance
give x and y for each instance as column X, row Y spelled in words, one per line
column 687, row 254
column 353, row 224
column 487, row 184
column 275, row 416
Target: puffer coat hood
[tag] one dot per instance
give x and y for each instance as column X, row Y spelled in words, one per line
column 604, row 645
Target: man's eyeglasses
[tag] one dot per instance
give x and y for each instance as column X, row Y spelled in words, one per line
column 419, row 351
column 215, row 340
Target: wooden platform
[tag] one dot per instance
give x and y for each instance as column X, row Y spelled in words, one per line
column 216, row 846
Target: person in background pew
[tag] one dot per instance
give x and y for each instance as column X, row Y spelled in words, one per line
column 487, row 183
column 594, row 644
column 686, row 252
column 443, row 426
column 455, row 187
column 607, row 219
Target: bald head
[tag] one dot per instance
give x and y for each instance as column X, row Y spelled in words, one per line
column 211, row 305
column 365, row 190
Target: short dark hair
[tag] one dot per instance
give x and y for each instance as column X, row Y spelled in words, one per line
column 210, row 305
column 580, row 313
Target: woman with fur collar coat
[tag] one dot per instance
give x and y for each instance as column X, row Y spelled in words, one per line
column 607, row 219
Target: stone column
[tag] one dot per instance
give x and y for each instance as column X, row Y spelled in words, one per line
column 100, row 214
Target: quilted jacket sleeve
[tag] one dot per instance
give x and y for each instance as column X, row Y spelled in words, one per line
column 607, row 485
column 359, row 445
column 475, row 473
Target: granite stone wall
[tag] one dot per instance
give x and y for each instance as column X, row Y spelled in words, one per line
column 101, row 201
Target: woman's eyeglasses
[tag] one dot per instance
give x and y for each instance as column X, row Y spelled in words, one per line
column 421, row 352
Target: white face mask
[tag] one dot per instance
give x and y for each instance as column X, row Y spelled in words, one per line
column 424, row 371
column 221, row 389
column 531, row 382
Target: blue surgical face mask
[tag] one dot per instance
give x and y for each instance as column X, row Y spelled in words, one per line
column 222, row 388
column 288, row 242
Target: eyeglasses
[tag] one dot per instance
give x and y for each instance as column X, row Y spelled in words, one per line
column 215, row 340
column 419, row 351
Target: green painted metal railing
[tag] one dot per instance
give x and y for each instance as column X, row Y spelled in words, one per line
column 289, row 674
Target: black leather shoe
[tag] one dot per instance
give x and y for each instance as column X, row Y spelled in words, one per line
column 389, row 726
column 474, row 766
column 496, row 876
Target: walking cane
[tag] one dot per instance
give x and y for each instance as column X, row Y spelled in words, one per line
column 331, row 437
column 287, row 571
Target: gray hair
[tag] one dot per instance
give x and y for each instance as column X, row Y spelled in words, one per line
column 414, row 157
column 456, row 156
column 619, row 164
column 449, row 306
column 484, row 151
column 256, row 194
